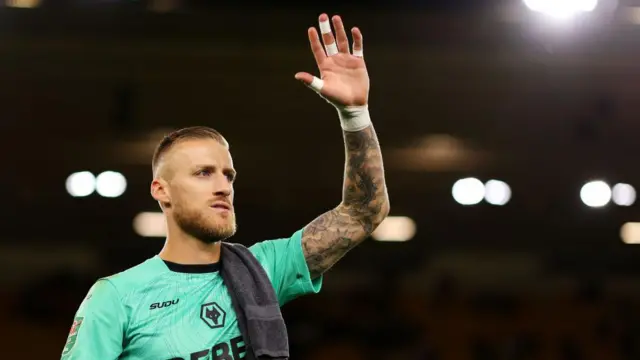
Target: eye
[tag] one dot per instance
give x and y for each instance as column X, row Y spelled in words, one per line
column 231, row 177
column 204, row 172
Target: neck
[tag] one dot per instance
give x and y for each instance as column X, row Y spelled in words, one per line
column 182, row 248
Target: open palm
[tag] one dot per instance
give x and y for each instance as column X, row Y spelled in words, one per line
column 344, row 77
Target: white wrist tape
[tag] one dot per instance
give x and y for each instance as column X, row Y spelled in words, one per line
column 354, row 118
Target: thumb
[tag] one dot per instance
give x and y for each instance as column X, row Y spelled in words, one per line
column 311, row 81
column 306, row 78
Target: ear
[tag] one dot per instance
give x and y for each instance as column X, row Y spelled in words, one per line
column 160, row 192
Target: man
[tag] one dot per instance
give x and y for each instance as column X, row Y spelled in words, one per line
column 176, row 305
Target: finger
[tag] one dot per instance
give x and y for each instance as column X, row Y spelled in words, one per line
column 327, row 35
column 316, row 46
column 357, row 42
column 341, row 35
column 311, row 81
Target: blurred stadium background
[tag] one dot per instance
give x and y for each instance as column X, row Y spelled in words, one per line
column 541, row 97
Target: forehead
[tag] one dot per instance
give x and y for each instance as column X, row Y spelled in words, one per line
column 197, row 152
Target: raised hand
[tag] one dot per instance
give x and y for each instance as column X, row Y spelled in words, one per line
column 344, row 80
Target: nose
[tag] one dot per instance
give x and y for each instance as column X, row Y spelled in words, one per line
column 223, row 187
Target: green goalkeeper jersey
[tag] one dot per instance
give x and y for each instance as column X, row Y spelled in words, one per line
column 161, row 311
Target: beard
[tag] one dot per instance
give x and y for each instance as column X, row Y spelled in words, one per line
column 203, row 228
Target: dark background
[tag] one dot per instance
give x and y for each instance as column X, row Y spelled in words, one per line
column 543, row 105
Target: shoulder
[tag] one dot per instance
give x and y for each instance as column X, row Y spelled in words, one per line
column 134, row 278
column 276, row 254
column 279, row 244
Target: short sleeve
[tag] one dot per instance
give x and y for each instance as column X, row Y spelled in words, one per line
column 284, row 262
column 98, row 328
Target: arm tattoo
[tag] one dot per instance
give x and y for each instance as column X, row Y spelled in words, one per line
column 364, row 205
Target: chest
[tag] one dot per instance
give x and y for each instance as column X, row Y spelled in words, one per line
column 191, row 318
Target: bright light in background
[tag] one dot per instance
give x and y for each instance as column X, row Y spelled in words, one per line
column 561, row 8
column 150, row 224
column 111, row 184
column 497, row 192
column 632, row 14
column 395, row 228
column 630, row 233
column 22, row 3
column 468, row 191
column 623, row 194
column 595, row 193
column 81, row 184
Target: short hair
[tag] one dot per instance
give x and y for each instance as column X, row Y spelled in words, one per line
column 188, row 133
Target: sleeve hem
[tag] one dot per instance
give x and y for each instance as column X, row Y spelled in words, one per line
column 309, row 286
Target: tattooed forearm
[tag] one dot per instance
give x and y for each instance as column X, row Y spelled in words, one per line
column 364, row 205
column 326, row 239
column 364, row 190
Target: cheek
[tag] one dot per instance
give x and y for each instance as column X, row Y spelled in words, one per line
column 195, row 193
column 181, row 195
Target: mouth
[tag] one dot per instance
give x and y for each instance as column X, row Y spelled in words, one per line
column 221, row 206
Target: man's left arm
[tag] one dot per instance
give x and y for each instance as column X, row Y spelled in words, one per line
column 365, row 202
column 364, row 205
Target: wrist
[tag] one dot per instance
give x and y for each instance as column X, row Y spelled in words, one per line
column 354, row 118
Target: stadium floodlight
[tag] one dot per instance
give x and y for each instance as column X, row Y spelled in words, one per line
column 630, row 233
column 110, row 184
column 595, row 193
column 150, row 224
column 623, row 194
column 81, row 184
column 468, row 191
column 396, row 229
column 561, row 8
column 497, row 192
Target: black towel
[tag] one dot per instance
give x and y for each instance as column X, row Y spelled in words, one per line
column 255, row 303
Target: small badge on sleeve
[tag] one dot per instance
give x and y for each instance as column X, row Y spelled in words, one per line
column 73, row 335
